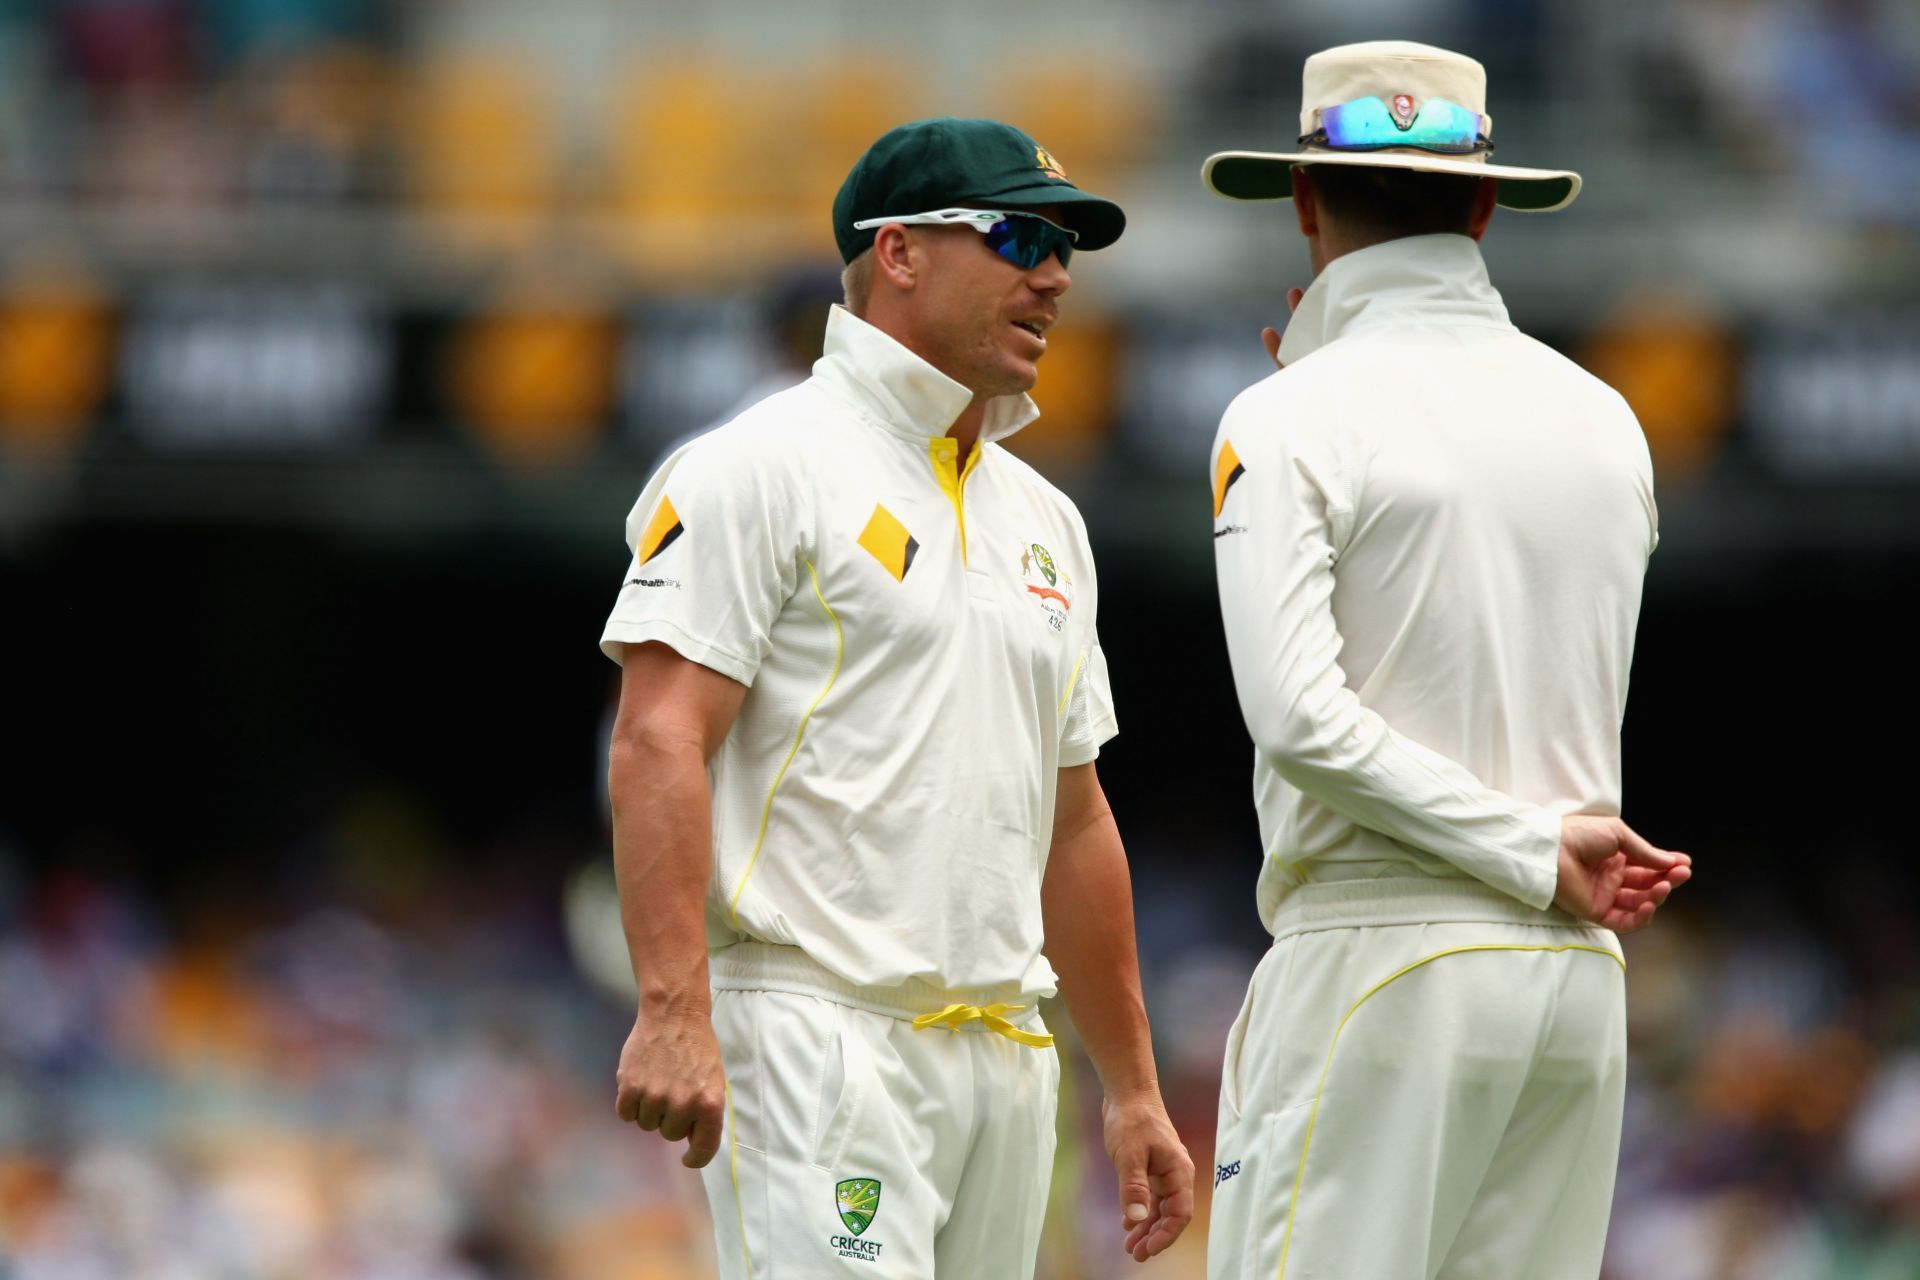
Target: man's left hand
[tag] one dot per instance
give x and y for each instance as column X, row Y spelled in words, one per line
column 1156, row 1173
column 1609, row 874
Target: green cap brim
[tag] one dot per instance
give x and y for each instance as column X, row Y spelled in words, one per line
column 1098, row 221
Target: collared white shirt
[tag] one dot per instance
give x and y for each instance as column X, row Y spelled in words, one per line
column 1430, row 532
column 919, row 648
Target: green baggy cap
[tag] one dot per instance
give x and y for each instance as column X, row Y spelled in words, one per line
column 939, row 163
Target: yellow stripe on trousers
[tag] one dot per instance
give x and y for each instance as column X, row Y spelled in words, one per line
column 766, row 810
column 1313, row 1116
column 733, row 1167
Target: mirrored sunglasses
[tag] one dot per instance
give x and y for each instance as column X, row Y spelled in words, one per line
column 1371, row 124
column 1024, row 239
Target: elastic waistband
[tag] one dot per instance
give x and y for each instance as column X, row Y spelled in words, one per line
column 1360, row 904
column 765, row 966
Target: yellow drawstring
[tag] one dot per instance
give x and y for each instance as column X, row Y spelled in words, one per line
column 954, row 1016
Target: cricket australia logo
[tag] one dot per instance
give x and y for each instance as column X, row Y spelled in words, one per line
column 858, row 1200
column 1048, row 584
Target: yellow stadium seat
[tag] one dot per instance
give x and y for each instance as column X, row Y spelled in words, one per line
column 1098, row 119
column 691, row 151
column 56, row 354
column 725, row 167
column 480, row 159
column 840, row 106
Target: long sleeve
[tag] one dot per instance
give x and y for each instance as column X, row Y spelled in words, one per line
column 1284, row 498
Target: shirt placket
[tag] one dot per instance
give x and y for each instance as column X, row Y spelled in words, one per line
column 944, row 454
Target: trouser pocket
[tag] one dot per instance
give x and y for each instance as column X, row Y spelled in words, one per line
column 846, row 1076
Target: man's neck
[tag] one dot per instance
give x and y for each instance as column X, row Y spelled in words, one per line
column 1328, row 247
column 966, row 427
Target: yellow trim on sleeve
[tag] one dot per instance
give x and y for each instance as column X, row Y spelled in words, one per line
column 766, row 810
column 1313, row 1116
column 1073, row 680
column 733, row 1168
column 991, row 1016
column 942, row 452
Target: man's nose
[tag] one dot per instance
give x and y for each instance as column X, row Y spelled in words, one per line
column 1050, row 277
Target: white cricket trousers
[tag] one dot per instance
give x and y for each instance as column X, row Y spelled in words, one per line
column 1424, row 1083
column 859, row 1148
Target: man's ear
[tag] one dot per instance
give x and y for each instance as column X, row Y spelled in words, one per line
column 893, row 258
column 1306, row 205
column 1485, row 197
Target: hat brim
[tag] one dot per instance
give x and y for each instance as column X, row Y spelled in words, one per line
column 1268, row 175
column 1098, row 221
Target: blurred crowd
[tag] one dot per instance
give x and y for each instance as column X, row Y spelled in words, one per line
column 307, row 225
column 339, row 1090
column 316, row 1094
column 1773, row 1120
column 461, row 105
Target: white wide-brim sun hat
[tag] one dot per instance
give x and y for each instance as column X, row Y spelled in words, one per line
column 1405, row 75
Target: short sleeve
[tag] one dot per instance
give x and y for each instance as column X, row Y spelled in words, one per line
column 1089, row 720
column 717, row 543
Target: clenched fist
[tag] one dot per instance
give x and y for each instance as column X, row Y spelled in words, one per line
column 670, row 1079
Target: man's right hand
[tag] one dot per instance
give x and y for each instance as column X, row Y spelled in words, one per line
column 1610, row 876
column 670, row 1079
column 1270, row 336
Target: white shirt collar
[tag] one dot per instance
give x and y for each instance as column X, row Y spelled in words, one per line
column 902, row 392
column 1433, row 279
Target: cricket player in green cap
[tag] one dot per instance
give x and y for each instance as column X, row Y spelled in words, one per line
column 858, row 832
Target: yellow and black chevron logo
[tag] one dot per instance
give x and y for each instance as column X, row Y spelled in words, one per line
column 888, row 541
column 1225, row 472
column 661, row 531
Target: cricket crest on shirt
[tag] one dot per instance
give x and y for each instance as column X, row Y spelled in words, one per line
column 1047, row 584
column 858, row 1200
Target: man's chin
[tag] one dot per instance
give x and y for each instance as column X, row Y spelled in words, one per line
column 1009, row 375
column 1021, row 376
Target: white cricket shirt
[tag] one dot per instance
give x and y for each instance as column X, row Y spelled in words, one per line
column 1430, row 532
column 919, row 648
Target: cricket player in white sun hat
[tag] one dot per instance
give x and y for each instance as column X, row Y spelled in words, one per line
column 852, row 768
column 1430, row 534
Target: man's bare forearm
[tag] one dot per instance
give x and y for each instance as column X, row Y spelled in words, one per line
column 1087, row 902
column 662, row 860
